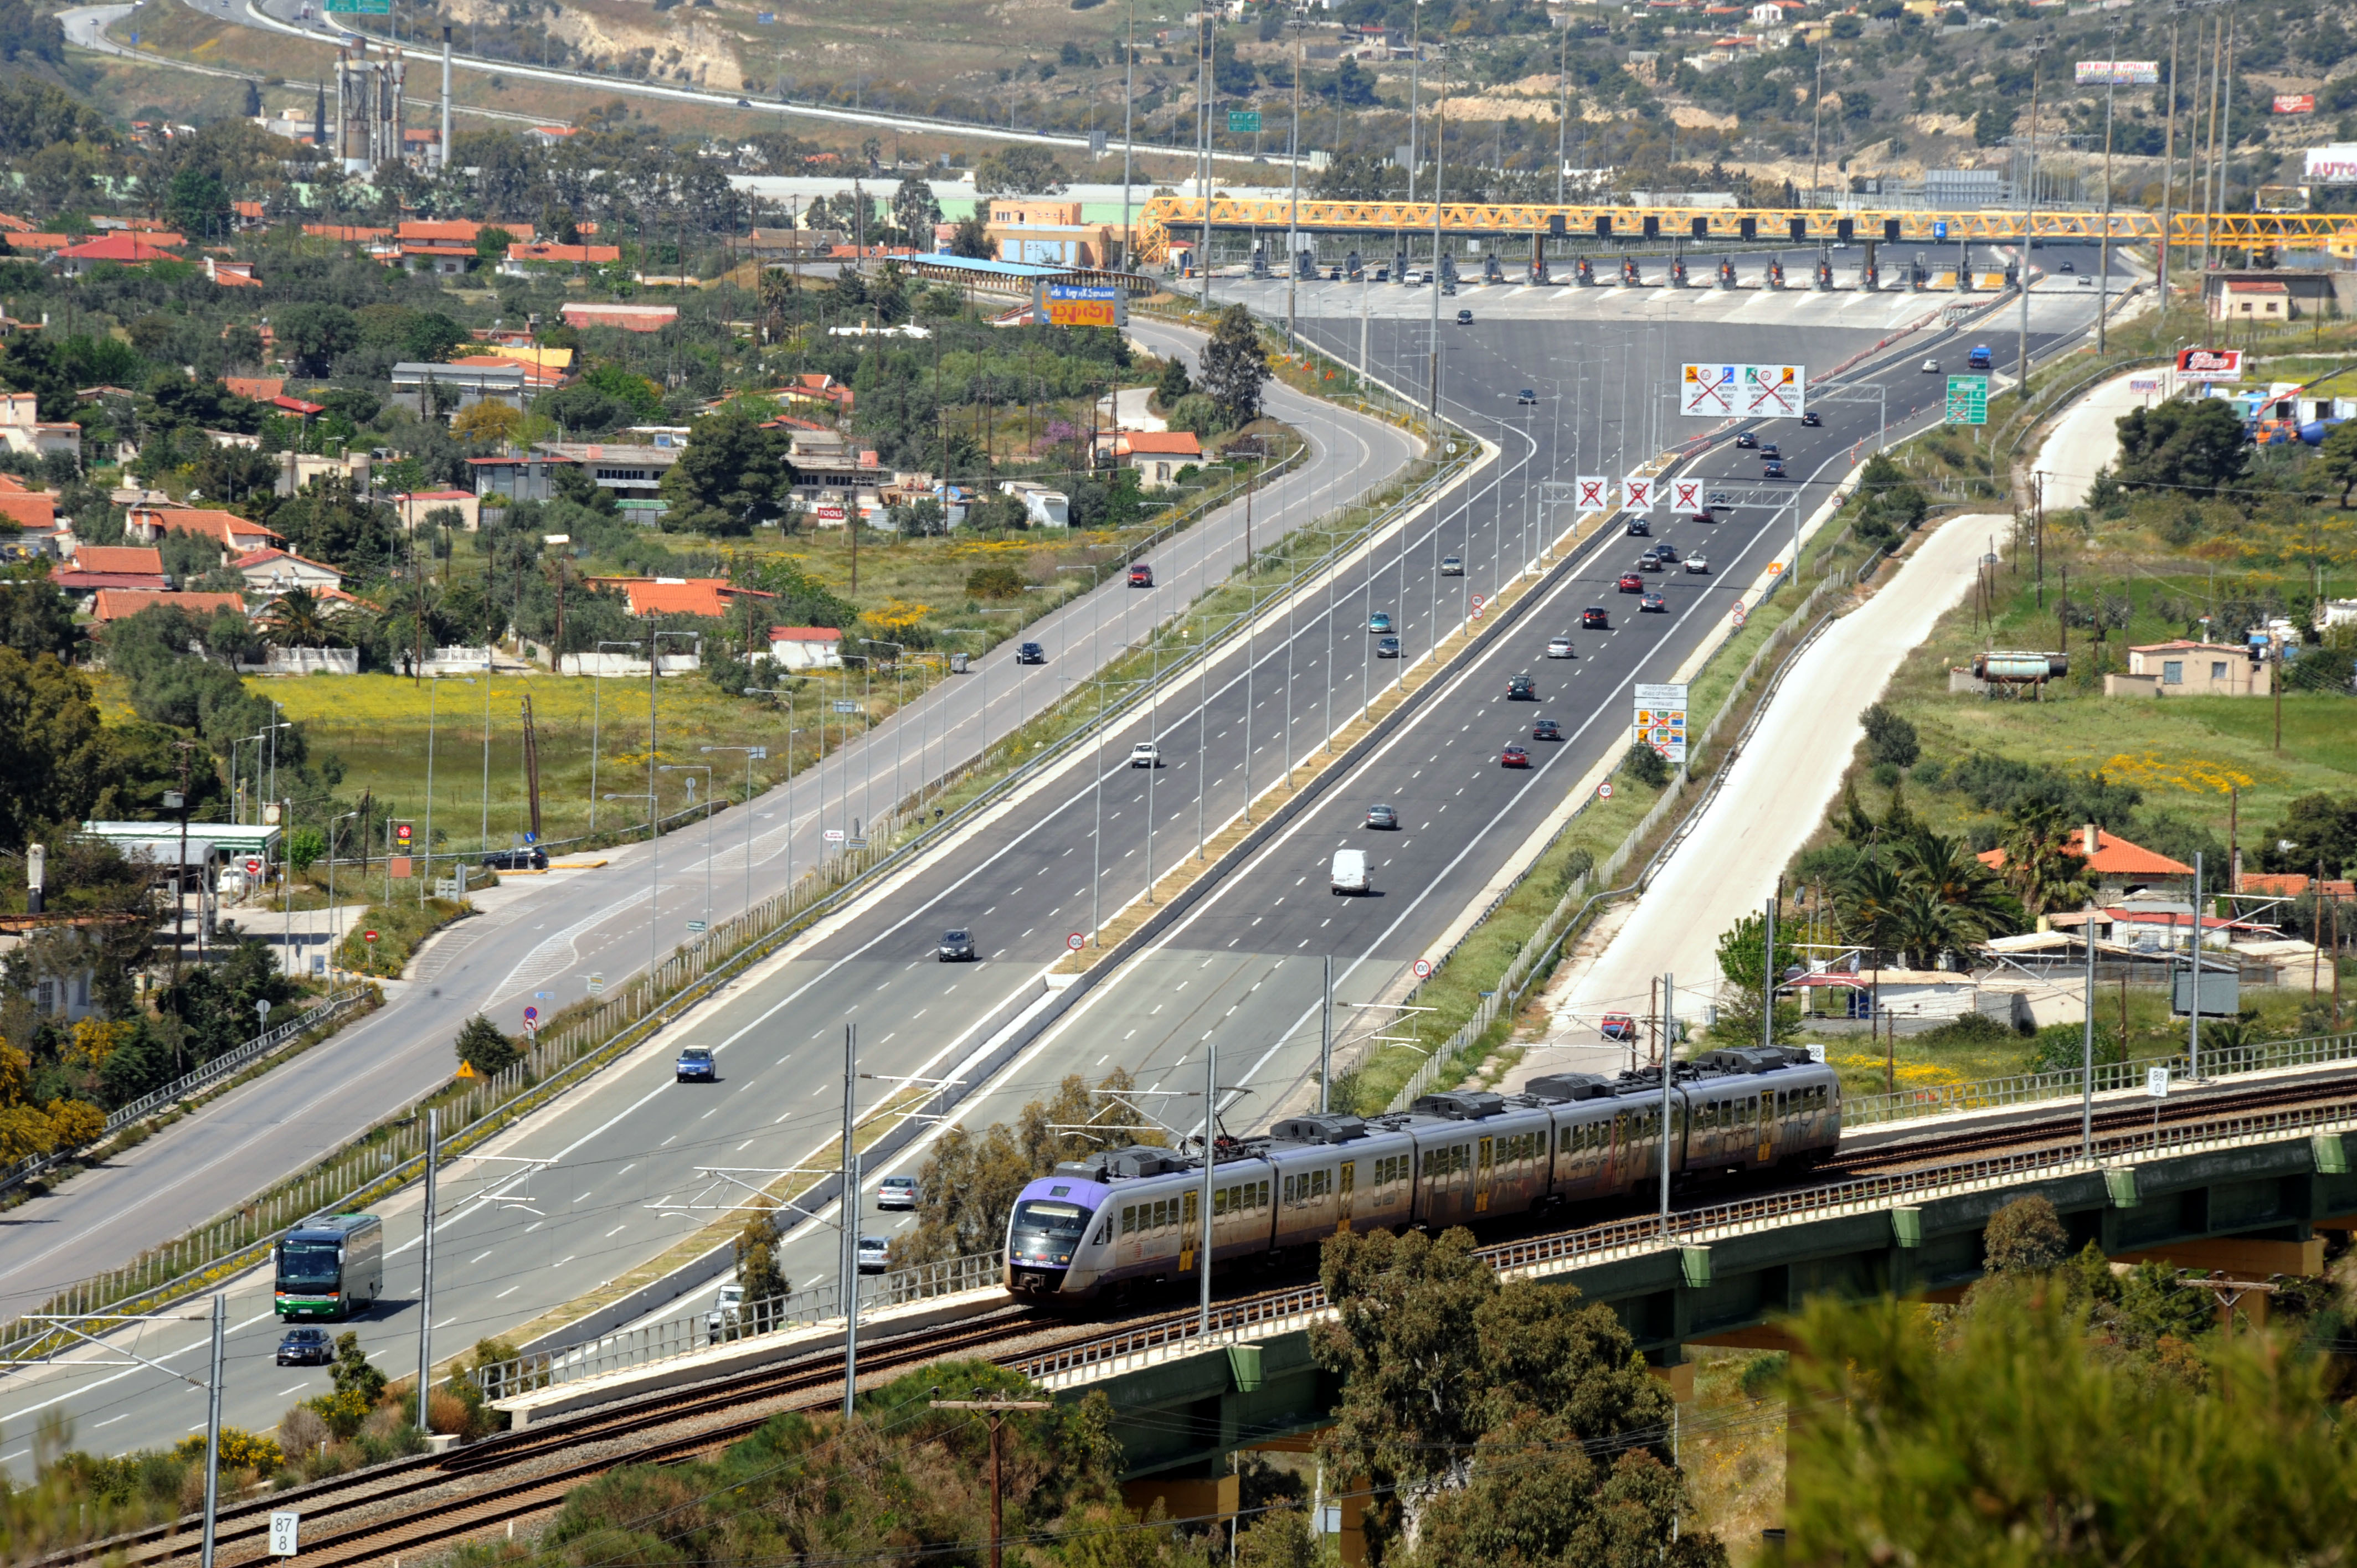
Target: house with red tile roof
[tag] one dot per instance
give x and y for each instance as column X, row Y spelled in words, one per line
column 442, row 245
column 260, row 388
column 629, row 318
column 1156, row 455
column 231, row 274
column 679, row 595
column 347, row 233
column 2116, row 863
column 236, row 535
column 118, row 250
column 2295, row 885
column 120, row 604
column 524, row 258
column 96, row 566
column 274, row 571
column 34, row 511
column 30, row 242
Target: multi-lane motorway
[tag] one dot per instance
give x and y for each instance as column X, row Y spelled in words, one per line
column 1243, row 969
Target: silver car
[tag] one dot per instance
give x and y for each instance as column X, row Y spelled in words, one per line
column 875, row 1254
column 1698, row 563
column 1450, row 566
column 1558, row 648
column 897, row 1192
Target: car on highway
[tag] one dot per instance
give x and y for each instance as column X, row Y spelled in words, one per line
column 1705, row 516
column 1654, row 560
column 307, row 1348
column 1381, row 620
column 1452, row 566
column 1514, row 756
column 1141, row 576
column 1527, row 396
column 1930, row 367
column 747, row 103
column 1770, row 451
column 1384, row 818
column 1619, row 1026
column 1746, row 440
column 1718, row 497
column 1639, row 528
column 897, row 1192
column 1632, row 583
column 1521, row 689
column 1145, row 753
column 2069, row 268
column 1464, row 318
column 728, row 1310
column 696, row 1062
column 956, row 946
column 1387, row 647
column 1030, row 653
column 1349, row 873
column 1558, row 648
column 1653, row 604
column 1698, row 564
column 1595, row 617
column 533, row 858
column 2084, row 282
column 1382, row 274
column 1545, row 729
column 1812, row 419
column 1771, row 470
column 1425, row 276
column 875, row 1254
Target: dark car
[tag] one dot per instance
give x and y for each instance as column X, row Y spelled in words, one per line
column 1514, row 756
column 1639, row 528
column 1382, row 817
column 1387, row 647
column 1030, row 653
column 1141, row 576
column 534, row 859
column 2069, row 268
column 1520, row 688
column 1812, row 419
column 1545, row 729
column 307, row 1348
column 1653, row 604
column 1770, row 451
column 957, row 946
column 1632, row 583
column 1464, row 318
column 1771, row 470
column 1595, row 617
column 696, row 1062
column 1746, row 441
column 1527, row 395
column 744, row 103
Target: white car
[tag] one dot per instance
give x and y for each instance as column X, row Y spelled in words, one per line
column 1558, row 648
column 1698, row 563
column 897, row 1192
column 1930, row 367
column 874, row 1253
column 1145, row 753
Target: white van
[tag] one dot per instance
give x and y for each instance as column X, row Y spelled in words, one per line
column 1351, row 872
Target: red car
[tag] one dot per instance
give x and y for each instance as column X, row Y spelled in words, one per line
column 1595, row 618
column 1619, row 1026
column 1632, row 582
column 1514, row 756
column 1141, row 576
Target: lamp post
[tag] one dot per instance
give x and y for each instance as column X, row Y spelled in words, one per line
column 788, row 695
column 705, row 768
column 333, row 929
column 754, row 753
column 596, row 695
column 432, row 694
column 899, row 688
column 483, row 834
column 655, row 801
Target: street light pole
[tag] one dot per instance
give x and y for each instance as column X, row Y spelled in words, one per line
column 757, row 754
column 596, row 695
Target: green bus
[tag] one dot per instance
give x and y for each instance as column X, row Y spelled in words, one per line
column 331, row 1265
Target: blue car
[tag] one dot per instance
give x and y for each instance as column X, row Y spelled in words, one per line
column 696, row 1062
column 1380, row 621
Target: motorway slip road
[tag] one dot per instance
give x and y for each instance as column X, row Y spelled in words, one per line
column 541, row 950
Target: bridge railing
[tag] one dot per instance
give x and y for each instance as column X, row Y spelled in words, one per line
column 2038, row 1088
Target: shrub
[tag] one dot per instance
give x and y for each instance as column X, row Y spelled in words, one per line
column 2025, row 1237
column 1889, row 738
column 481, row 1046
column 301, row 1431
column 343, row 1411
column 240, row 1450
column 1972, row 1029
column 1646, row 766
column 994, row 582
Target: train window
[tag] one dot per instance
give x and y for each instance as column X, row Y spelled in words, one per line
column 1105, row 1231
column 1129, row 1220
column 1260, row 1201
column 1320, row 1183
column 1218, row 1202
column 1162, row 1215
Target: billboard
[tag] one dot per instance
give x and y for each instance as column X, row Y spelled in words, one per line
column 1744, row 391
column 2118, row 72
column 2335, row 164
column 1081, row 304
column 1662, row 720
column 2209, row 364
column 2295, row 103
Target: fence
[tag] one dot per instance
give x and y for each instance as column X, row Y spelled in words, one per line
column 686, row 1334
column 391, row 1153
column 222, row 1067
column 2036, row 1087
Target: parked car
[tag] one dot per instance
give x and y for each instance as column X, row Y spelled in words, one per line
column 696, row 1062
column 1699, row 565
column 531, row 859
column 1632, row 583
column 1653, row 604
column 1545, row 729
column 1380, row 621
column 1619, row 1026
column 307, row 1348
column 1514, row 756
column 875, row 1254
column 1387, row 647
column 1521, row 689
column 1030, row 653
column 1382, row 818
column 1595, row 617
column 1452, row 566
column 956, row 947
column 1145, row 753
column 1558, row 648
column 1141, row 576
column 897, row 1192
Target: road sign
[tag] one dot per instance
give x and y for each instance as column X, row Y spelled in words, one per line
column 1243, row 122
column 858, row 844
column 1775, row 568
column 401, row 832
column 845, row 706
column 368, row 936
column 1604, row 790
column 697, row 926
column 252, row 866
column 1662, row 720
column 1076, row 942
column 361, row 8
column 1775, row 392
column 1637, row 494
column 596, row 983
column 1422, row 968
column 1708, row 389
column 1738, row 615
column 1686, row 495
column 531, row 1016
column 1480, row 606
column 2156, row 1083
column 531, row 838
column 833, row 836
column 286, row 1527
column 1591, row 489
column 1967, row 399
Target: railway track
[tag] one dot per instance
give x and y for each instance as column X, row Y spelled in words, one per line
column 424, row 1503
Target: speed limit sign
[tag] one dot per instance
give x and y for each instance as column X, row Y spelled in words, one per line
column 1737, row 615
column 1422, row 968
column 1604, row 790
column 1480, row 604
column 1076, row 942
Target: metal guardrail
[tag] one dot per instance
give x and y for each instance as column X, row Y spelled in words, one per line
column 2039, row 1088
column 1652, row 1233
column 226, row 1065
column 687, row 1335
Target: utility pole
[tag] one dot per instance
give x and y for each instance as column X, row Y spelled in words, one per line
column 2168, row 155
column 2193, row 1009
column 1205, row 85
column 2103, row 250
column 1439, row 158
column 1816, row 121
column 850, row 1212
column 213, row 1429
column 2028, row 213
column 998, row 1410
column 1211, row 1159
column 1293, row 219
column 1768, row 973
column 1563, row 119
column 1128, row 153
column 426, row 1259
column 1669, row 1072
column 1326, row 1038
column 2087, row 1048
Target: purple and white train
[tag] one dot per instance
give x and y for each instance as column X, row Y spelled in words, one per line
column 1132, row 1215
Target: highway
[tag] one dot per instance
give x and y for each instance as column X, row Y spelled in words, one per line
column 544, row 948
column 1242, row 967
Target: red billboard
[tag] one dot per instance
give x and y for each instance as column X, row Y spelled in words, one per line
column 2209, row 364
column 2294, row 102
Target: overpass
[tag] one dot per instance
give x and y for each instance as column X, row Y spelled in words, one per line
column 1168, row 219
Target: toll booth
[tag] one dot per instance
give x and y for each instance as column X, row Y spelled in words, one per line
column 1492, row 270
column 1677, row 272
column 1727, row 275
column 1775, row 271
column 1584, row 271
column 1353, row 267
column 1630, row 275
column 1824, row 279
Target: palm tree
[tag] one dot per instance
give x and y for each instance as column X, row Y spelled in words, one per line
column 1947, row 870
column 1926, row 925
column 1866, row 907
column 300, row 619
column 2041, row 866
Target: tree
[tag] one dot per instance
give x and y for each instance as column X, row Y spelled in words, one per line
column 1743, row 960
column 1452, row 1382
column 2315, row 827
column 2198, row 446
column 481, row 1046
column 971, row 238
column 2336, row 459
column 1646, row 766
column 491, row 245
column 2042, row 864
column 313, row 336
column 1173, row 384
column 969, row 1184
column 733, row 475
column 35, row 617
column 1889, row 737
column 52, row 751
column 914, row 212
column 757, row 1260
column 300, row 619
column 1234, row 366
column 353, row 1373
column 486, row 423
column 2024, row 1237
column 1019, row 171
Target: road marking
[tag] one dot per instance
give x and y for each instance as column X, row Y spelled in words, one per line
column 618, row 1230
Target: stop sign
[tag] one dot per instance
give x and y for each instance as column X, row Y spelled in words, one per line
column 252, row 866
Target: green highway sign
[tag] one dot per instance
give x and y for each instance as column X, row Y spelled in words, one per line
column 362, row 7
column 1967, row 399
column 1241, row 122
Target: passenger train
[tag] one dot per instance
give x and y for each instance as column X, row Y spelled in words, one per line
column 1131, row 1215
